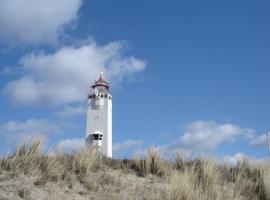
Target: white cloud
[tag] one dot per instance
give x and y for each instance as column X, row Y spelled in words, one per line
column 70, row 145
column 238, row 157
column 260, row 140
column 198, row 138
column 64, row 76
column 7, row 70
column 15, row 131
column 36, row 21
column 208, row 135
column 127, row 146
column 235, row 158
column 71, row 111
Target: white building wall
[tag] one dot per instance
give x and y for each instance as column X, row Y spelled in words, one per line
column 99, row 118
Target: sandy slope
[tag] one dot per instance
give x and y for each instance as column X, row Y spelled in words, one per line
column 13, row 187
column 30, row 174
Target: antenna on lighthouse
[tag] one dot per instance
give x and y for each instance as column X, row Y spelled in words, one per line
column 101, row 75
column 268, row 142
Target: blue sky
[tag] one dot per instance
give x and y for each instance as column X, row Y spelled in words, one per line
column 187, row 76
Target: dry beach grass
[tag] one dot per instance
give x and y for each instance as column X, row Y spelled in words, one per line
column 31, row 174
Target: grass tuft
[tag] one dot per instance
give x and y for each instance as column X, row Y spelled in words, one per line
column 150, row 178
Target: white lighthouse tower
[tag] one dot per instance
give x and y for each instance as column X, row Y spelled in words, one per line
column 99, row 117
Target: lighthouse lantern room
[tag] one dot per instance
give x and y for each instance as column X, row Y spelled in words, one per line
column 99, row 117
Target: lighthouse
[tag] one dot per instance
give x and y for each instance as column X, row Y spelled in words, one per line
column 99, row 117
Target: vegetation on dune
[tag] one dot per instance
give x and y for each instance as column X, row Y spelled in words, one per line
column 150, row 178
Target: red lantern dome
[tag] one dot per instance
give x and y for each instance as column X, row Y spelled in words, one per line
column 101, row 84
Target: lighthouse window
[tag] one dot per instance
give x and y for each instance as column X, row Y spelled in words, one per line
column 90, row 96
column 94, row 96
column 105, row 95
column 95, row 136
column 102, row 96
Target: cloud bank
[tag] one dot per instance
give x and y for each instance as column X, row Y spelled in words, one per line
column 201, row 137
column 260, row 140
column 64, row 76
column 70, row 145
column 15, row 131
column 238, row 157
column 129, row 144
column 208, row 135
column 36, row 21
column 71, row 112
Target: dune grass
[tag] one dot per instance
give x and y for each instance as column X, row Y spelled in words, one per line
column 149, row 178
